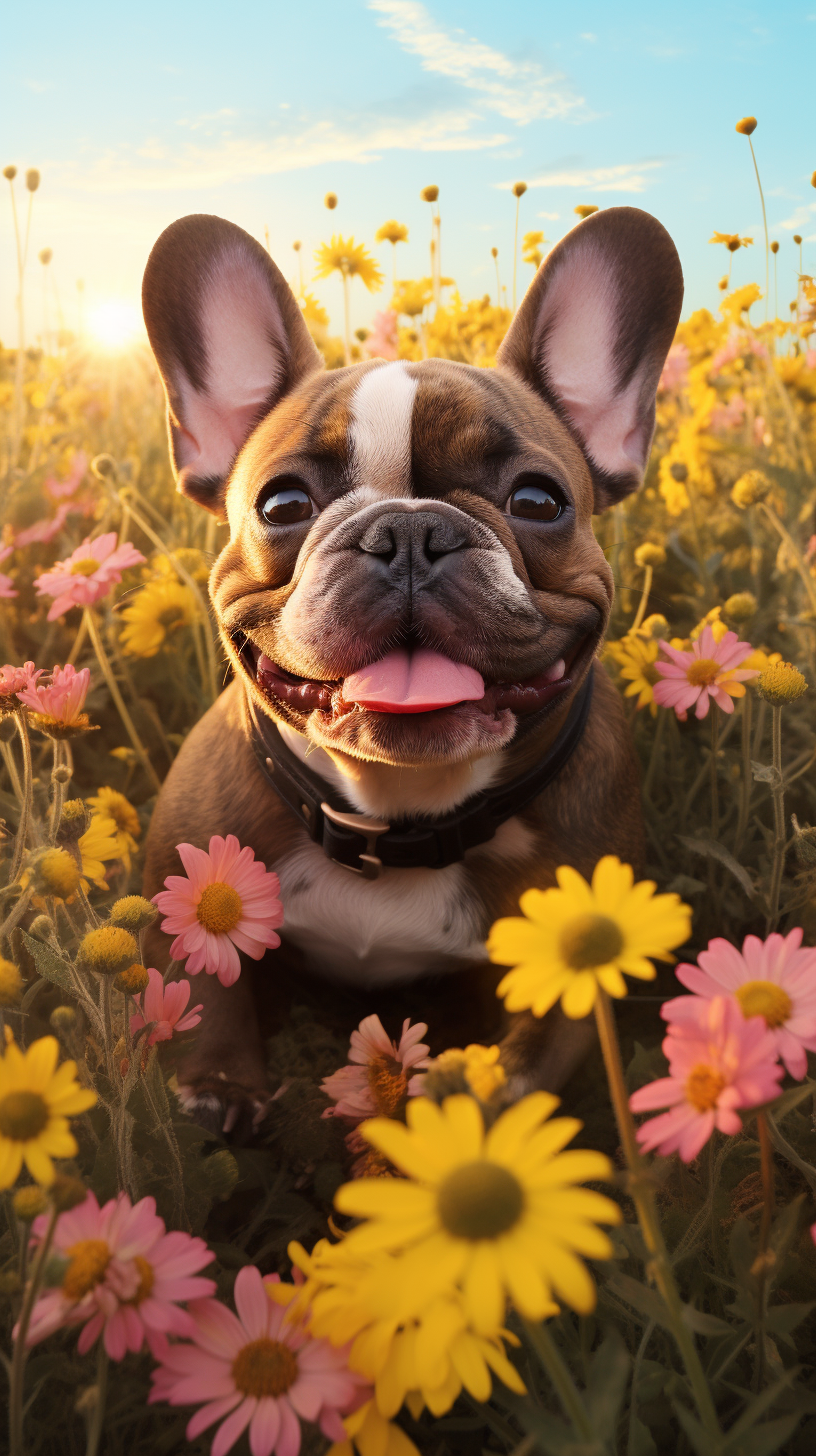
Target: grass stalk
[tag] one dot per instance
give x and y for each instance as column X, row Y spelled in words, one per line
column 107, row 673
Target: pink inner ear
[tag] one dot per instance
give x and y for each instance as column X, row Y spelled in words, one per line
column 244, row 340
column 579, row 323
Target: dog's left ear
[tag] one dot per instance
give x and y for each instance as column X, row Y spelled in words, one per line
column 592, row 335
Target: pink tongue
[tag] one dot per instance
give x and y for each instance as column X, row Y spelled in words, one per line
column 413, row 682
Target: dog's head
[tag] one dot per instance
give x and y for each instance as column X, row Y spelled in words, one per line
column 411, row 567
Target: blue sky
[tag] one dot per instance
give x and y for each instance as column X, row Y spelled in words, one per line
column 137, row 116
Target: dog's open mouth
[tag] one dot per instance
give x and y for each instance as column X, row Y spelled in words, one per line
column 407, row 680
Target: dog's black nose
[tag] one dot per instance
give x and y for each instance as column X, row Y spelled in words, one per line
column 410, row 539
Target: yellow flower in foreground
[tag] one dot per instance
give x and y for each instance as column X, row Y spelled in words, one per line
column 370, row 1434
column 579, row 936
column 36, row 1100
column 111, row 804
column 481, row 1215
column 99, row 843
column 635, row 657
column 162, row 606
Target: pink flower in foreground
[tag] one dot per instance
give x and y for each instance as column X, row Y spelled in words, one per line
column 718, row 1062
column 14, row 680
column 125, row 1276
column 379, row 1081
column 710, row 670
column 674, row 374
column 228, row 900
column 62, row 699
column 773, row 978
column 166, row 1006
column 7, row 588
column 87, row 574
column 255, row 1369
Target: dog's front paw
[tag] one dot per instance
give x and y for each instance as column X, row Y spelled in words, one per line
column 225, row 1107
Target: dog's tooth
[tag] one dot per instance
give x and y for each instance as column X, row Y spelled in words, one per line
column 557, row 670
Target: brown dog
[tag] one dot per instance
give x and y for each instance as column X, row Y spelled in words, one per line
column 412, row 600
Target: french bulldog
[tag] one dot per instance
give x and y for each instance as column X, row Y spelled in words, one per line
column 411, row 600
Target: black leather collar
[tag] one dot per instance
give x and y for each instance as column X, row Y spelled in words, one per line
column 367, row 845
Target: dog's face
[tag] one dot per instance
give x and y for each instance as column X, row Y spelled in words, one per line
column 411, row 567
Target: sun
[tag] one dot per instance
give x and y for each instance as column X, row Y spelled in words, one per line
column 114, row 323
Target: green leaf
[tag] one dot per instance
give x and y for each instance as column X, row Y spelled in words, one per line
column 32, row 993
column 712, row 849
column 646, row 1301
column 760, row 1404
column 784, row 1103
column 763, row 1440
column 48, row 963
column 640, row 1441
column 608, row 1378
column 705, row 1324
column 783, row 1318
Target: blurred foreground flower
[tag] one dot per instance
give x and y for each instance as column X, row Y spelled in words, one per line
column 718, row 1062
column 710, row 670
column 160, row 608
column 572, row 939
column 124, row 1275
column 87, row 574
column 380, row 1080
column 166, row 1005
column 774, row 979
column 57, row 706
column 36, row 1100
column 487, row 1214
column 255, row 1369
column 7, row 587
column 228, row 900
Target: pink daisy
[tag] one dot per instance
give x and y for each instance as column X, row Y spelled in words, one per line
column 87, row 574
column 379, row 1080
column 228, row 900
column 256, row 1369
column 709, row 670
column 773, row 978
column 125, row 1276
column 165, row 1005
column 7, row 588
column 14, row 680
column 76, row 474
column 62, row 699
column 718, row 1062
column 44, row 530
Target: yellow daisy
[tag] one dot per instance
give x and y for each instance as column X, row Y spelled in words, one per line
column 486, row 1214
column 580, row 936
column 36, row 1100
column 350, row 259
column 163, row 606
column 635, row 657
column 112, row 805
column 370, row 1434
column 98, row 844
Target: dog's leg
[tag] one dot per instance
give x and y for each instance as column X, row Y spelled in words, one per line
column 543, row 1052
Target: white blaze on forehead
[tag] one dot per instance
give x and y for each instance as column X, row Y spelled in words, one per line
column 380, row 429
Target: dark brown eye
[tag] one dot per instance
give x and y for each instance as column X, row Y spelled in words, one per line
column 536, row 502
column 286, row 506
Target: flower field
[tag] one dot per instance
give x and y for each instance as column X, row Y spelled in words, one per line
column 398, row 1258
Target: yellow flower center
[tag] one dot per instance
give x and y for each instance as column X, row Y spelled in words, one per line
column 388, row 1083
column 219, row 908
column 764, row 998
column 590, row 940
column 264, row 1367
column 89, row 1260
column 703, row 672
column 86, row 567
column 23, row 1116
column 171, row 618
column 480, row 1201
column 703, row 1087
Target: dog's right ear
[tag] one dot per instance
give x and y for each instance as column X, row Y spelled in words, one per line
column 229, row 340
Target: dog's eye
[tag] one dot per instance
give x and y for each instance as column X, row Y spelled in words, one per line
column 286, row 506
column 536, row 502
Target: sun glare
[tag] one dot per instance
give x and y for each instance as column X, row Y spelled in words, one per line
column 115, row 323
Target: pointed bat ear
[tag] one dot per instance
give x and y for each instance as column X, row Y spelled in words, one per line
column 229, row 340
column 592, row 335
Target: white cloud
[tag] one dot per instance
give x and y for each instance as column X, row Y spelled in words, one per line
column 799, row 220
column 550, row 216
column 520, row 91
column 627, row 177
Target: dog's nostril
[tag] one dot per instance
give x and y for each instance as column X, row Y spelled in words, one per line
column 379, row 541
column 414, row 534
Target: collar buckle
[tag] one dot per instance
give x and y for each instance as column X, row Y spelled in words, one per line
column 370, row 829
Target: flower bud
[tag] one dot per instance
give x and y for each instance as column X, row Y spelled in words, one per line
column 108, row 950
column 804, row 844
column 63, row 1018
column 774, row 247
column 519, row 189
column 797, row 238
column 56, row 872
column 751, row 488
column 723, row 284
column 133, row 912
column 741, row 607
column 781, row 683
column 330, row 201
column 655, row 626
column 11, row 984
column 104, row 467
column 746, row 126
column 132, row 980
column 585, row 209
column 74, row 820
column 41, row 927
column 494, row 252
column 9, row 173
column 446, row 1076
column 297, row 246
column 45, row 255
column 222, row 1171
column 649, row 554
column 66, row 1192
column 61, row 774
column 30, row 1202
column 32, row 179
column 678, row 471
column 813, row 179
column 429, row 194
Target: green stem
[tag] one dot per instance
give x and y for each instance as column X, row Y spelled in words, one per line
column 98, row 1417
column 778, row 796
column 747, row 775
column 801, row 565
column 654, row 756
column 715, row 795
column 642, row 1193
column 644, row 598
column 59, row 793
column 26, row 806
column 555, row 1366
column 119, row 701
column 20, row 1352
column 765, row 225
column 764, row 1259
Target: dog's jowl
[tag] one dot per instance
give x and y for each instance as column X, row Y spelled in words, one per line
column 412, row 601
